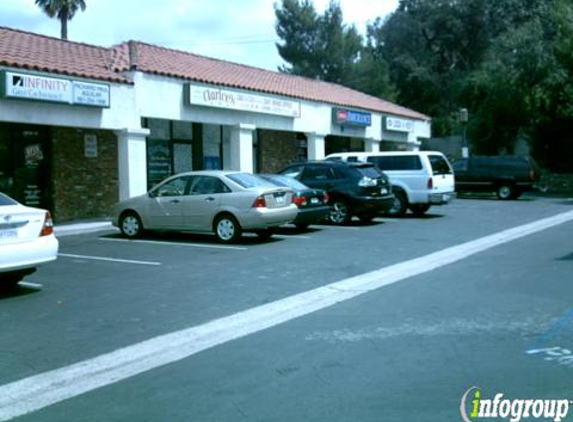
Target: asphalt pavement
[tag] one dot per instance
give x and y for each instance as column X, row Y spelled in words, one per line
column 392, row 321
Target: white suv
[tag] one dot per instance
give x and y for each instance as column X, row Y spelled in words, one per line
column 419, row 178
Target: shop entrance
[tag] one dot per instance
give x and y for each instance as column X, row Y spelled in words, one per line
column 343, row 144
column 25, row 164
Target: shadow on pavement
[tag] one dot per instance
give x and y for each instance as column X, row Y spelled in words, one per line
column 17, row 291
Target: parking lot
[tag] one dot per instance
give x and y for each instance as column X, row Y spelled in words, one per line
column 363, row 350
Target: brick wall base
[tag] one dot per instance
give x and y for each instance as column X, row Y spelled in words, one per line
column 83, row 187
column 278, row 149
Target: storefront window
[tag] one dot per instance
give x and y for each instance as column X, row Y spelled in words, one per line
column 159, row 161
column 175, row 147
column 212, row 147
column 24, row 164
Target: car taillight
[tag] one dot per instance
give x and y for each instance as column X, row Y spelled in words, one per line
column 260, row 202
column 430, row 183
column 326, row 197
column 48, row 227
column 366, row 182
column 300, row 201
column 532, row 175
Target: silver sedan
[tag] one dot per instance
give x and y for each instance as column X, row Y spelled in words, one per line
column 222, row 202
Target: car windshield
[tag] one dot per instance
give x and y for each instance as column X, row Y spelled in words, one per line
column 6, row 200
column 369, row 171
column 284, row 181
column 247, row 180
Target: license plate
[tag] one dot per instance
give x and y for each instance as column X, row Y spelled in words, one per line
column 314, row 201
column 8, row 234
column 446, row 198
column 280, row 200
column 384, row 191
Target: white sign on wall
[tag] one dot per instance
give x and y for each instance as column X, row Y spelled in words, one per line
column 243, row 101
column 42, row 88
column 90, row 94
column 399, row 125
column 90, row 146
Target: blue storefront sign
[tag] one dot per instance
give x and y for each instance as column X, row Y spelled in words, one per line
column 345, row 117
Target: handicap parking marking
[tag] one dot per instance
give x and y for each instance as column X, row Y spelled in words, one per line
column 103, row 258
column 162, row 242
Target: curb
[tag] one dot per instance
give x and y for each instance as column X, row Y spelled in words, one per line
column 83, row 228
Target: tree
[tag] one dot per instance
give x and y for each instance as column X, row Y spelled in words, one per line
column 64, row 10
column 317, row 46
column 323, row 47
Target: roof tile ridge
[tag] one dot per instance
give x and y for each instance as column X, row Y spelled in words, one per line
column 373, row 97
column 188, row 53
column 49, row 37
column 115, row 55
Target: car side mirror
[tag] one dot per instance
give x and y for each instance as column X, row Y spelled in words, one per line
column 151, row 194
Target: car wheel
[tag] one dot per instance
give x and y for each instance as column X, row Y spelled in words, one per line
column 340, row 214
column 505, row 191
column 399, row 206
column 130, row 225
column 419, row 209
column 227, row 229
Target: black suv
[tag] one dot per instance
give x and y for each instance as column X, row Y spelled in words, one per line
column 506, row 175
column 355, row 189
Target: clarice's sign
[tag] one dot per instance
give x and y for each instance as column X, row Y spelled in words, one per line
column 243, row 101
column 42, row 88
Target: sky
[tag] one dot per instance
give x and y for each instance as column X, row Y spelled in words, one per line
column 240, row 31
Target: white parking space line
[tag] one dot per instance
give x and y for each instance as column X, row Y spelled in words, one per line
column 189, row 245
column 103, row 258
column 30, row 285
column 36, row 392
column 291, row 236
column 336, row 227
column 385, row 220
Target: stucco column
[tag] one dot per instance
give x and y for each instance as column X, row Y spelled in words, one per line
column 242, row 148
column 371, row 145
column 132, row 162
column 315, row 146
column 413, row 142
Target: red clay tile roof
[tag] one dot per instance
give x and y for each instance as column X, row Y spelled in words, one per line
column 26, row 50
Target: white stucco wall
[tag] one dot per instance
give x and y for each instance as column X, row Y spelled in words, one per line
column 160, row 97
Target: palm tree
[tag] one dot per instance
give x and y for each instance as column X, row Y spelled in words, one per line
column 64, row 10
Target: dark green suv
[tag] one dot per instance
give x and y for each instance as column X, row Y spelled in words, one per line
column 355, row 189
column 506, row 175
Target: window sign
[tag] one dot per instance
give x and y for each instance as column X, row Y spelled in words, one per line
column 347, row 117
column 26, row 86
column 159, row 164
column 399, row 125
column 241, row 100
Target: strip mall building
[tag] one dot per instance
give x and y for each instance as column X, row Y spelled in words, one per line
column 82, row 126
